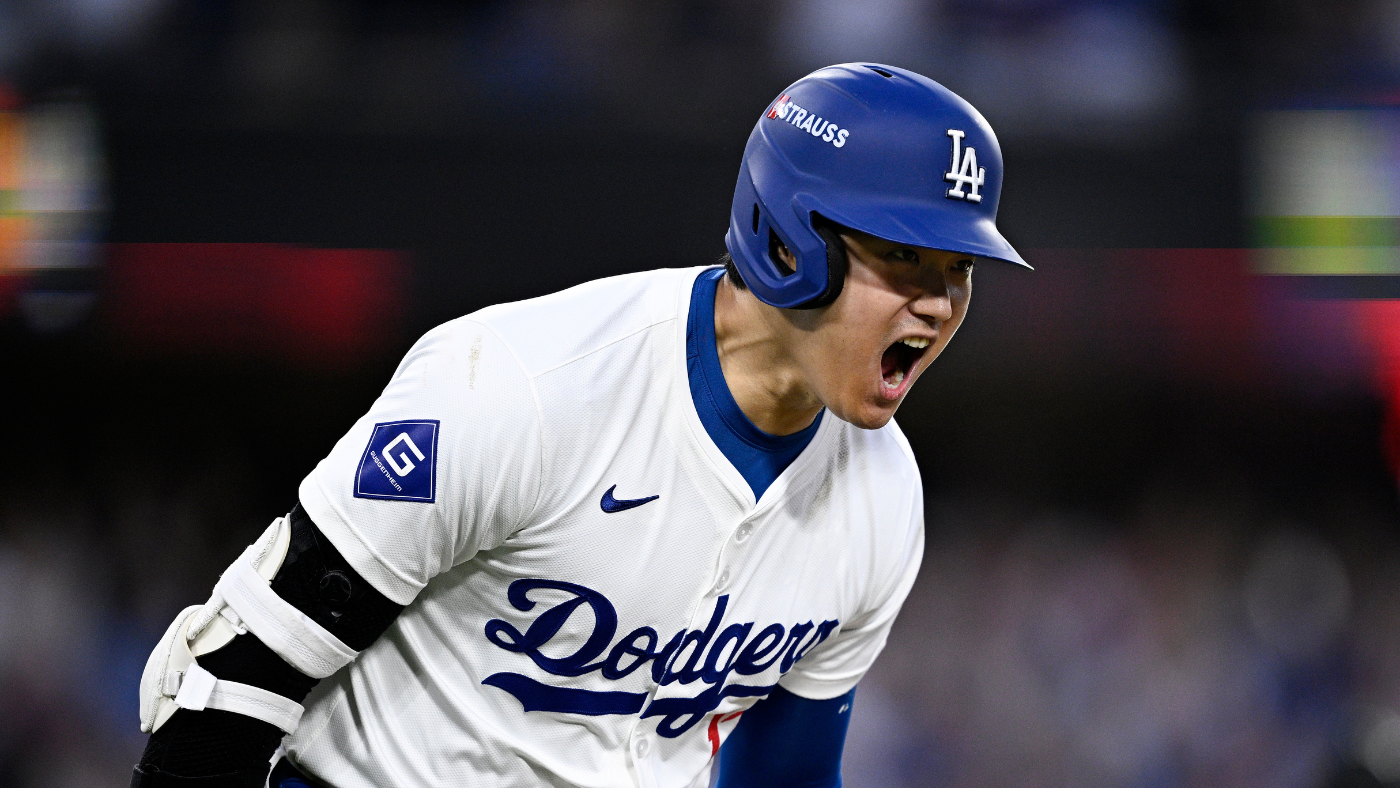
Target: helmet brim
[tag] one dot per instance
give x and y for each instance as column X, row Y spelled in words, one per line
column 916, row 224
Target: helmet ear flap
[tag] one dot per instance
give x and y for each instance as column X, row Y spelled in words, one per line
column 836, row 265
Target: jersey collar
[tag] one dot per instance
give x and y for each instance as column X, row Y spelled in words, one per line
column 809, row 461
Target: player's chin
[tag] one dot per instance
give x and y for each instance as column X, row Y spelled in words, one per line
column 872, row 401
column 875, row 409
column 871, row 412
column 872, row 421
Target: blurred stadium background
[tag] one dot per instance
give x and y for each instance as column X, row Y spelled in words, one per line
column 1160, row 470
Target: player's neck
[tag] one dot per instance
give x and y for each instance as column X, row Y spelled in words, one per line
column 764, row 377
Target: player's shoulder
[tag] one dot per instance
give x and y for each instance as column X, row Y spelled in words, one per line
column 546, row 332
column 879, row 476
column 885, row 452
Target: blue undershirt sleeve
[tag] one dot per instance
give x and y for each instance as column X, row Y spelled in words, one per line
column 787, row 740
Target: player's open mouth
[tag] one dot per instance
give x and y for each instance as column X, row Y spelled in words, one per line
column 898, row 361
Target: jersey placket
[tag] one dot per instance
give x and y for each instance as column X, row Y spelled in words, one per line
column 645, row 746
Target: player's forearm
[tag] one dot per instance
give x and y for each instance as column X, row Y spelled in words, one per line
column 196, row 742
column 221, row 748
column 787, row 740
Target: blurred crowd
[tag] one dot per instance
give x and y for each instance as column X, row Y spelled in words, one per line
column 1132, row 633
column 1090, row 71
column 1190, row 643
column 91, row 572
column 1191, row 646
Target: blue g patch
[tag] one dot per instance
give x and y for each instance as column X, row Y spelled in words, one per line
column 400, row 462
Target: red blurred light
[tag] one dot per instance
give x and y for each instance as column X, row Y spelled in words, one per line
column 326, row 308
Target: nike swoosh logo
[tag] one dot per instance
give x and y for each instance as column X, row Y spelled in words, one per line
column 612, row 505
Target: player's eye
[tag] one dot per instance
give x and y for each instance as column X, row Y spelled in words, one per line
column 904, row 255
column 964, row 266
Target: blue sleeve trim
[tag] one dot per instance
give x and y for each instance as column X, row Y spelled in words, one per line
column 787, row 740
column 285, row 775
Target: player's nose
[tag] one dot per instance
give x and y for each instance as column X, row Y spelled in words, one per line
column 934, row 299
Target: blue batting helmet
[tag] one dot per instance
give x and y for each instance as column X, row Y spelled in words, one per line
column 870, row 147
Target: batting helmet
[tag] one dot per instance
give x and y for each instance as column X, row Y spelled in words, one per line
column 870, row 147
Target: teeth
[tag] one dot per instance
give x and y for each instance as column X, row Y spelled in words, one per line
column 898, row 379
column 916, row 342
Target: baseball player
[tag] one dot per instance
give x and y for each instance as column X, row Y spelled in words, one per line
column 592, row 539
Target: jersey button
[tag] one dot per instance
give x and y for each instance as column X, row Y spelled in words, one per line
column 643, row 747
column 743, row 532
column 723, row 580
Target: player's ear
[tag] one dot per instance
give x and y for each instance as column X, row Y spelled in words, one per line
column 778, row 251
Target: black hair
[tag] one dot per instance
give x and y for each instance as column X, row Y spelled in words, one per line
column 731, row 270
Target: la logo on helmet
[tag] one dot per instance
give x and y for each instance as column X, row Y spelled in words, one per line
column 964, row 170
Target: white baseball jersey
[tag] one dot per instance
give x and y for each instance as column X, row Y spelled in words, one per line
column 592, row 591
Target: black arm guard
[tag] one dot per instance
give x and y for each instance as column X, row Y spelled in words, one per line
column 220, row 749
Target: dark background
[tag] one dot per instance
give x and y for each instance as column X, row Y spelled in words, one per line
column 1161, row 496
